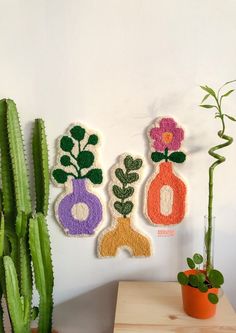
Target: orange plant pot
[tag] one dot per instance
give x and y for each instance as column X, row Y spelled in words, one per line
column 196, row 303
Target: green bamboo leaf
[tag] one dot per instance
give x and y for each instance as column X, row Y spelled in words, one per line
column 121, row 176
column 207, row 106
column 205, row 98
column 182, row 278
column 209, row 90
column 41, row 168
column 228, row 93
column 230, row 117
column 2, row 234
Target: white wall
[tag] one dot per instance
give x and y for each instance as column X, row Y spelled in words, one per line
column 116, row 65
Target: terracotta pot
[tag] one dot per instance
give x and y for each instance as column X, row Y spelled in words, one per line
column 196, row 303
column 35, row 330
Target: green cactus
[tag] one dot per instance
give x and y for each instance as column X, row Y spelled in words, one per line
column 24, row 239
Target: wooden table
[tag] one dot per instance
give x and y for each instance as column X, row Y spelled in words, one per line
column 156, row 307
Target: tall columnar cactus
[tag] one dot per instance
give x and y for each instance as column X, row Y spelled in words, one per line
column 24, row 239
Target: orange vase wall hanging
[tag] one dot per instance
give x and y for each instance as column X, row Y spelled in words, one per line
column 165, row 202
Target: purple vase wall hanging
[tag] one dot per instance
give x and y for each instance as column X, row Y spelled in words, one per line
column 78, row 210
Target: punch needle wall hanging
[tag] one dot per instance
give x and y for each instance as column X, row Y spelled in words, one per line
column 122, row 233
column 165, row 191
column 78, row 210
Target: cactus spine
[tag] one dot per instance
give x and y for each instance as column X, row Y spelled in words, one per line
column 24, row 236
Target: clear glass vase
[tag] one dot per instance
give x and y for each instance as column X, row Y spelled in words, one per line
column 209, row 241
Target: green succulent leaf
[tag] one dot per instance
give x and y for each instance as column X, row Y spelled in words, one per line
column 197, row 258
column 65, row 160
column 95, row 176
column 93, row 139
column 77, row 133
column 182, row 278
column 216, row 278
column 193, row 280
column 85, row 159
column 177, row 157
column 66, row 143
column 201, row 278
column 132, row 177
column 230, row 117
column 213, row 298
column 121, row 176
column 60, row 176
column 122, row 193
column 190, row 263
column 132, row 164
column 157, row 157
column 203, row 287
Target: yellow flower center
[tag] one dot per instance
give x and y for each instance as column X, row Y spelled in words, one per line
column 167, row 137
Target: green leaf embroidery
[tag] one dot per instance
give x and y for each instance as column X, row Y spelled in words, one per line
column 85, row 159
column 92, row 140
column 157, row 157
column 177, row 157
column 121, row 176
column 60, row 176
column 122, row 193
column 77, row 133
column 66, row 144
column 65, row 160
column 132, row 164
column 132, row 177
column 95, row 175
column 124, row 208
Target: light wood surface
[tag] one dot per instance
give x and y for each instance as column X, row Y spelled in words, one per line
column 156, row 307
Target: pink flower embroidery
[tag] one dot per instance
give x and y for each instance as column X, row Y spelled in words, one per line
column 167, row 135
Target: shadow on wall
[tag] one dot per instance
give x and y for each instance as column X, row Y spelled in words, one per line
column 92, row 312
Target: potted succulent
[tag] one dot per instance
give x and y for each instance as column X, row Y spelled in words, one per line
column 200, row 286
column 25, row 254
